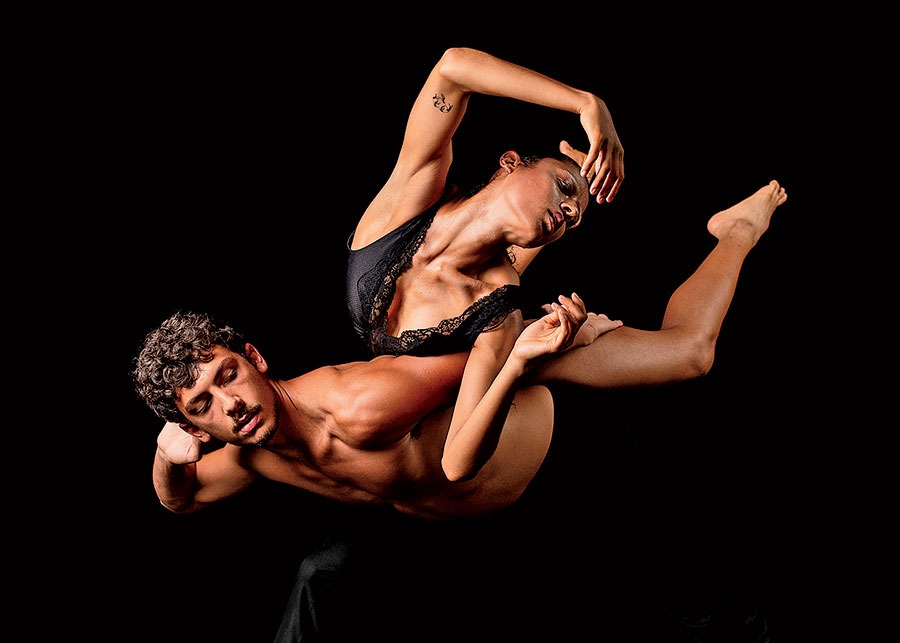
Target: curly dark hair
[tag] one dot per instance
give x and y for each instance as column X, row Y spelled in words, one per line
column 170, row 355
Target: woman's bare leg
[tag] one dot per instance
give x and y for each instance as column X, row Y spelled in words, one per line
column 684, row 347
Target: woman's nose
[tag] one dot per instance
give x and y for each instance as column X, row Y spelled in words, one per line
column 571, row 213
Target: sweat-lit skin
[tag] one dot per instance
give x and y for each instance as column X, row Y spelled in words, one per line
column 228, row 403
column 338, row 431
column 466, row 252
column 544, row 201
column 380, row 431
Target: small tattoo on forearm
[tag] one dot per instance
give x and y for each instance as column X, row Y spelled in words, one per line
column 441, row 103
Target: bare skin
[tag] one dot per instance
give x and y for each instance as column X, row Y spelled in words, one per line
column 461, row 434
column 464, row 255
column 375, row 432
column 684, row 346
column 365, row 432
column 755, row 211
column 526, row 205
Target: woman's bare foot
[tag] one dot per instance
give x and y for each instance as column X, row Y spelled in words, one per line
column 752, row 215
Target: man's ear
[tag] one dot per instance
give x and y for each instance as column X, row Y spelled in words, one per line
column 190, row 429
column 509, row 160
column 255, row 357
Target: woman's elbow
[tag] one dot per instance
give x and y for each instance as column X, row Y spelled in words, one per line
column 455, row 63
column 457, row 471
column 456, row 55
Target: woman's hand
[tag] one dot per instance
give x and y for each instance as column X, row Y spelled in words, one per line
column 552, row 333
column 590, row 325
column 604, row 163
column 565, row 325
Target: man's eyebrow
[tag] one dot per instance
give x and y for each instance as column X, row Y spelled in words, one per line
column 218, row 373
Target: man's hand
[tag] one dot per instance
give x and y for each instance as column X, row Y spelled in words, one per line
column 594, row 326
column 177, row 445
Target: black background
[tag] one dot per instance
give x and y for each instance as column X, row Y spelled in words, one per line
column 222, row 166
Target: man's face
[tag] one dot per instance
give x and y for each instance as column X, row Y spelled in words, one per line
column 232, row 400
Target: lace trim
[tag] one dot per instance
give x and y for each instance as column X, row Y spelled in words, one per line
column 491, row 309
column 385, row 294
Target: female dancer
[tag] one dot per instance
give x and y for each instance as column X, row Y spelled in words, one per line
column 432, row 271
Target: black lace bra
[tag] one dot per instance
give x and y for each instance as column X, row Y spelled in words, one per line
column 372, row 274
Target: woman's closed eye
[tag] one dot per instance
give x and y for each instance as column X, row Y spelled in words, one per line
column 567, row 187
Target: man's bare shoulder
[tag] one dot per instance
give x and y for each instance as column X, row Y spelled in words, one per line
column 335, row 384
column 351, row 378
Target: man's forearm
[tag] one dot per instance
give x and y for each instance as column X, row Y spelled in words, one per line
column 175, row 484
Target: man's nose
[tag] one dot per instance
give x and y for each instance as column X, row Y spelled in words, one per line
column 233, row 405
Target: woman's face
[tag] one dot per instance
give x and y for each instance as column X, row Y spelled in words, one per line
column 545, row 199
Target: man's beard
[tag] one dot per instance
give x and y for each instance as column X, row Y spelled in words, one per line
column 266, row 433
column 263, row 434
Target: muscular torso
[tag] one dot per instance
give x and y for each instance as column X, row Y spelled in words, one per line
column 359, row 446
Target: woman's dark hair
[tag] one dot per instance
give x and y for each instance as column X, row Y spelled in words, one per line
column 530, row 160
column 170, row 356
